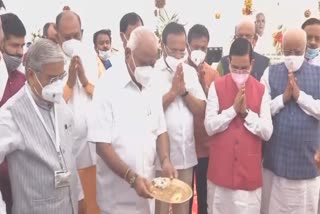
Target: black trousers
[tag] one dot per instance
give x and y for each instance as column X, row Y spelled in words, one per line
column 200, row 172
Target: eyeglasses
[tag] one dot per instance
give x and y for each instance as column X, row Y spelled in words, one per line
column 293, row 52
column 245, row 36
column 239, row 70
column 60, row 77
column 176, row 53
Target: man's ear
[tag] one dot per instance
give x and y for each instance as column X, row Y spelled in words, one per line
column 123, row 39
column 29, row 76
column 252, row 63
column 128, row 53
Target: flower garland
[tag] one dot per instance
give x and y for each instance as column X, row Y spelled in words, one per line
column 247, row 10
column 277, row 39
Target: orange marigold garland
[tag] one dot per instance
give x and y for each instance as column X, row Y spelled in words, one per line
column 277, row 39
column 247, row 10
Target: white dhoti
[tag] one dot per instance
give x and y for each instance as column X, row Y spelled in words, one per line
column 283, row 196
column 227, row 201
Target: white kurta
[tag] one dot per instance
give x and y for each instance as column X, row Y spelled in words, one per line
column 79, row 104
column 281, row 195
column 179, row 118
column 130, row 120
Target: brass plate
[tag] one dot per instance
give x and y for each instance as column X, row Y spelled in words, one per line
column 175, row 193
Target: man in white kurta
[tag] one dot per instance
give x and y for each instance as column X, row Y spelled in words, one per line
column 291, row 183
column 183, row 97
column 128, row 125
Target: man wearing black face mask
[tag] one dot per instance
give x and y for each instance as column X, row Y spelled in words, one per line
column 12, row 50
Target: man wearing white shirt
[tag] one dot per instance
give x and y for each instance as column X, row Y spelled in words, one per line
column 312, row 28
column 183, row 97
column 291, row 178
column 82, row 68
column 128, row 125
column 238, row 119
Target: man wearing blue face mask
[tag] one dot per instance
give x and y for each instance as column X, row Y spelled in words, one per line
column 290, row 174
column 312, row 28
column 183, row 98
column 128, row 125
column 37, row 138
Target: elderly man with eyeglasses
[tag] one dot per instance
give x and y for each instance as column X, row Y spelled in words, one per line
column 246, row 29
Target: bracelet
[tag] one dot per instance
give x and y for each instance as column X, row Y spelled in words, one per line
column 126, row 174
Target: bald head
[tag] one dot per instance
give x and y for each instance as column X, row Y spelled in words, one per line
column 246, row 29
column 68, row 26
column 142, row 48
column 294, row 42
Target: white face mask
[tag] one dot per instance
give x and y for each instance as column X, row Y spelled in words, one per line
column 53, row 92
column 174, row 62
column 198, row 57
column 293, row 63
column 71, row 47
column 142, row 74
column 104, row 55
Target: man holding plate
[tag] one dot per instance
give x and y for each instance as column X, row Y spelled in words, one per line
column 129, row 129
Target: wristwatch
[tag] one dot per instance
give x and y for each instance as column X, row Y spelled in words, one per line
column 132, row 180
column 185, row 93
column 245, row 113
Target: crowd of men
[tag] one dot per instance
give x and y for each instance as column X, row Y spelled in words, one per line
column 86, row 130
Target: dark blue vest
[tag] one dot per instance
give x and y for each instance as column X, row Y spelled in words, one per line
column 295, row 139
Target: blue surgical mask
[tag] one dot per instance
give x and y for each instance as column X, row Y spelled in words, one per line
column 311, row 53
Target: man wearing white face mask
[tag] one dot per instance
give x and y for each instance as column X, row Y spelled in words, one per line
column 102, row 45
column 128, row 126
column 238, row 118
column 183, row 98
column 291, row 178
column 81, row 66
column 198, row 39
column 36, row 138
column 312, row 28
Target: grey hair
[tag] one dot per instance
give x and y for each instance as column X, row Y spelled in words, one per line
column 42, row 52
column 138, row 34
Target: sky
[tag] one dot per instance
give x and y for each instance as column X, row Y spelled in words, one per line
column 100, row 14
